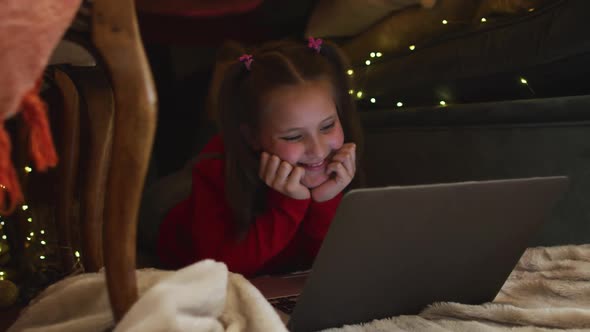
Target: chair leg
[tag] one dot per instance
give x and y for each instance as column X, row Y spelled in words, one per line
column 68, row 167
column 98, row 96
column 116, row 37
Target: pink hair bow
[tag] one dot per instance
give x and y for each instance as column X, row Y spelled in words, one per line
column 246, row 59
column 315, row 43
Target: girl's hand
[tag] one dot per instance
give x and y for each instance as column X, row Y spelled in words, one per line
column 282, row 176
column 342, row 169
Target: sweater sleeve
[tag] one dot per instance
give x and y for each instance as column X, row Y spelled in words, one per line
column 317, row 222
column 212, row 228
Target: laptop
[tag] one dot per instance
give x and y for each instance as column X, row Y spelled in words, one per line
column 394, row 250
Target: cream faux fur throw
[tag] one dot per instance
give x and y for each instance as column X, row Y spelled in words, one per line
column 549, row 290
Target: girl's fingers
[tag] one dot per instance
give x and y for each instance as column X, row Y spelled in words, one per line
column 294, row 179
column 271, row 170
column 282, row 173
column 342, row 175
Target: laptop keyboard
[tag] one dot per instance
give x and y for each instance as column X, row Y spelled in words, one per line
column 285, row 304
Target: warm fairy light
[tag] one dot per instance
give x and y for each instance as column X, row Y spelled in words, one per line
column 30, row 219
column 28, row 238
column 2, row 186
column 350, row 72
column 2, row 223
column 350, row 91
column 443, row 103
column 483, row 20
column 4, row 237
column 77, row 254
column 42, row 232
column 372, row 54
column 400, row 104
column 379, row 54
column 523, row 80
column 32, row 234
column 28, row 169
column 531, row 10
column 43, row 242
column 368, row 62
column 25, row 207
column 359, row 94
column 1, row 273
column 445, row 22
column 373, row 100
column 412, row 47
column 42, row 257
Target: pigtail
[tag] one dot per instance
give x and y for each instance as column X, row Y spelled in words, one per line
column 241, row 164
column 346, row 105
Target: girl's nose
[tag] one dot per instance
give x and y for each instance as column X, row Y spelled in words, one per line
column 316, row 148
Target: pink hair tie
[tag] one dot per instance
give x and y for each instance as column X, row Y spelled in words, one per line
column 246, row 59
column 315, row 43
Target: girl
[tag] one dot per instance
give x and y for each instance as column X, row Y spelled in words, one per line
column 266, row 189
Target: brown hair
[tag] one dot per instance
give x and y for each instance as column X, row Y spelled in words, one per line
column 239, row 101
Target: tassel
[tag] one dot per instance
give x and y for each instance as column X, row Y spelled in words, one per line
column 10, row 191
column 41, row 147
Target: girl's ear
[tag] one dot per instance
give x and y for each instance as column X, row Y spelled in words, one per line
column 251, row 138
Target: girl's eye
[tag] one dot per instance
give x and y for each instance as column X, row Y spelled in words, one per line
column 292, row 138
column 330, row 126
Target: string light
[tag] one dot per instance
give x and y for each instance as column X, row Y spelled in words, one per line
column 368, row 62
column 350, row 91
column 523, row 81
column 350, row 72
column 2, row 223
column 28, row 238
column 25, row 207
column 43, row 242
column 32, row 234
column 4, row 237
column 372, row 54
column 400, row 104
column 42, row 232
column 373, row 100
column 379, row 54
column 42, row 257
column 412, row 47
column 483, row 20
column 445, row 22
column 531, row 10
column 2, row 186
column 77, row 254
column 28, row 169
column 30, row 219
column 443, row 103
column 359, row 94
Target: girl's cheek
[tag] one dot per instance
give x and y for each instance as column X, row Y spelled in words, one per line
column 289, row 152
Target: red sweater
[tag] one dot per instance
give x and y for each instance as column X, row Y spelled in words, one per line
column 286, row 236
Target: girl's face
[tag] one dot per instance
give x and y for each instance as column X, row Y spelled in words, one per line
column 301, row 126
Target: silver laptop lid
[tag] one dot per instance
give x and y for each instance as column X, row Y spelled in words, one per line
column 395, row 250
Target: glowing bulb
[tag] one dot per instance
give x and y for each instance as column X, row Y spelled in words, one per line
column 28, row 169
column 350, row 72
column 32, row 234
column 523, row 80
column 531, row 10
column 42, row 232
column 25, row 207
column 372, row 54
column 30, row 219
column 1, row 273
column 28, row 238
column 483, row 20
column 77, row 254
column 373, row 100
column 43, row 242
column 2, row 223
column 359, row 94
column 400, row 104
column 368, row 62
column 443, row 103
column 4, row 237
column 2, row 186
column 412, row 47
column 379, row 54
column 42, row 257
column 445, row 21
column 350, row 92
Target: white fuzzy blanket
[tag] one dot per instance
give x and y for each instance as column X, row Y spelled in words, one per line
column 549, row 290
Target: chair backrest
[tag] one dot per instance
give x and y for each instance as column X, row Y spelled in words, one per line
column 115, row 35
